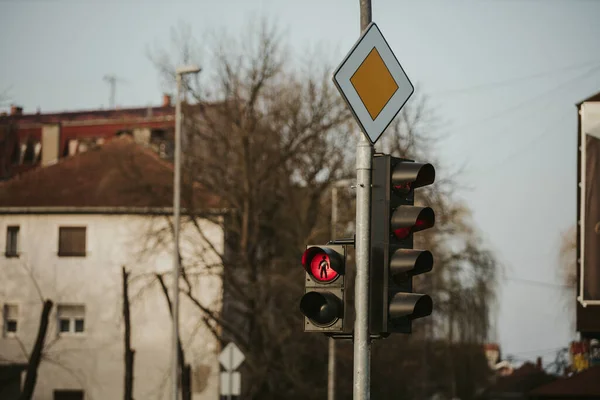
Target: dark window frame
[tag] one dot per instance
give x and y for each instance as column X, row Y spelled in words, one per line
column 68, row 394
column 69, row 249
column 12, row 242
column 7, row 321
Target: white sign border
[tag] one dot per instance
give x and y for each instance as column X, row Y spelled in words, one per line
column 372, row 37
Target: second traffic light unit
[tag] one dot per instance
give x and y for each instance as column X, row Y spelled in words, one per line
column 394, row 219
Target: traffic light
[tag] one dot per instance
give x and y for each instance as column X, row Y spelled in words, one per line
column 394, row 219
column 323, row 303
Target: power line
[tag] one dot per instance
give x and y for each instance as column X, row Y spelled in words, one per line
column 538, row 352
column 521, row 105
column 509, row 82
column 522, row 150
column 539, row 283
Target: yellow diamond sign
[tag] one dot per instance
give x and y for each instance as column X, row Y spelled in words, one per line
column 373, row 83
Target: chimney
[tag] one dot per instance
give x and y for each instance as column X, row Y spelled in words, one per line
column 16, row 110
column 166, row 100
column 50, row 144
column 538, row 363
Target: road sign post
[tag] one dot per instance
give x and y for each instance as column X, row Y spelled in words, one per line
column 375, row 87
column 231, row 381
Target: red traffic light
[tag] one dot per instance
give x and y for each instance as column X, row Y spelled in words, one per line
column 322, row 264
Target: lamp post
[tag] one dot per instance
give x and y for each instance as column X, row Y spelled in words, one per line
column 188, row 69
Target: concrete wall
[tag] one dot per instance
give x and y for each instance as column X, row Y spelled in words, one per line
column 93, row 361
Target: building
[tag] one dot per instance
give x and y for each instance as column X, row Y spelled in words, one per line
column 588, row 218
column 68, row 229
column 31, row 140
column 518, row 384
column 582, row 386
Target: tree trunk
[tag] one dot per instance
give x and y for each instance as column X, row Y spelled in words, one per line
column 36, row 354
column 184, row 369
column 129, row 352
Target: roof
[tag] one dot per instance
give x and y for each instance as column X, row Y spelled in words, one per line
column 582, row 385
column 83, row 115
column 523, row 379
column 119, row 174
column 594, row 97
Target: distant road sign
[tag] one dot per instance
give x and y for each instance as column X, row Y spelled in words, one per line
column 373, row 83
column 231, row 357
column 231, row 384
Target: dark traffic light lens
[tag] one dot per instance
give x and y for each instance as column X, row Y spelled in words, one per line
column 321, row 308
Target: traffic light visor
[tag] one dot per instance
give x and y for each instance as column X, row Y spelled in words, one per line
column 410, row 175
column 407, row 220
column 406, row 263
column 322, row 264
column 410, row 305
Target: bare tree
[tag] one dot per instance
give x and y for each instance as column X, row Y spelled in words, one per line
column 184, row 368
column 269, row 139
column 5, row 97
column 36, row 354
column 129, row 352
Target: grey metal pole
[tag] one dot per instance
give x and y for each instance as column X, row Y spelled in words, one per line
column 176, row 220
column 230, row 372
column 362, row 345
column 331, row 360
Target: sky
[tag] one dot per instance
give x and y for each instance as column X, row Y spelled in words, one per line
column 503, row 75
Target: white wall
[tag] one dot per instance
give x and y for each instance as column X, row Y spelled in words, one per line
column 590, row 116
column 93, row 361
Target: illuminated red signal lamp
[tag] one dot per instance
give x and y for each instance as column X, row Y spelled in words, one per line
column 323, row 264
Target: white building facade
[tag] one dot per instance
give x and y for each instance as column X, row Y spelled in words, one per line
column 74, row 257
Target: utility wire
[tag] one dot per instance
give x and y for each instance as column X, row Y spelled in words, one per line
column 521, row 105
column 539, row 283
column 510, row 82
column 522, row 150
column 539, row 351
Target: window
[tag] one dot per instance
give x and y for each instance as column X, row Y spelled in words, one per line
column 12, row 241
column 11, row 319
column 71, row 241
column 68, row 395
column 71, row 319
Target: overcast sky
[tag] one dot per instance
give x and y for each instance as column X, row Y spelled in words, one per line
column 504, row 74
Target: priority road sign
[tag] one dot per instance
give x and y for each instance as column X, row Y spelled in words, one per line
column 231, row 357
column 373, row 83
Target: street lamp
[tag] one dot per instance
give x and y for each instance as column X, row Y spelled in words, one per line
column 180, row 71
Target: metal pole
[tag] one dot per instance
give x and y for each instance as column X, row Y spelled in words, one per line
column 331, row 361
column 230, row 372
column 362, row 345
column 176, row 220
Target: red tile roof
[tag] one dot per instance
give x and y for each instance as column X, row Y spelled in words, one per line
column 585, row 384
column 120, row 174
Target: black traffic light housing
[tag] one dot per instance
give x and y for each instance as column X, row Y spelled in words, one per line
column 394, row 262
column 324, row 301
